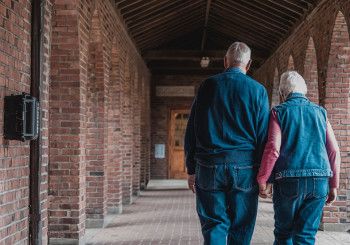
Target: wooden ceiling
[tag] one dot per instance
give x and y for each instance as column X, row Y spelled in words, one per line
column 174, row 34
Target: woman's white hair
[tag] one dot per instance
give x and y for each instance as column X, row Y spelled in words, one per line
column 292, row 82
column 238, row 53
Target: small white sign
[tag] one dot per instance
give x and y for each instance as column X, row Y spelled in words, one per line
column 159, row 151
column 175, row 91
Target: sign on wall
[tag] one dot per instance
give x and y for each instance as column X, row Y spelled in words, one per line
column 175, row 91
column 159, row 151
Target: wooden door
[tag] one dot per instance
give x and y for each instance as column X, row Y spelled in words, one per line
column 178, row 123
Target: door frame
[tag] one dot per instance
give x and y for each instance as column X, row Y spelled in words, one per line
column 169, row 149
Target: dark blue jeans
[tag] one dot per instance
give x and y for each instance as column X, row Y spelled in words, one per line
column 227, row 200
column 298, row 204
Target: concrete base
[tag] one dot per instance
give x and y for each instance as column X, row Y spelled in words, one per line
column 136, row 193
column 115, row 210
column 94, row 223
column 335, row 227
column 127, row 201
column 67, row 241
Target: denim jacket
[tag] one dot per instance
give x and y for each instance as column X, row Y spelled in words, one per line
column 303, row 148
column 228, row 121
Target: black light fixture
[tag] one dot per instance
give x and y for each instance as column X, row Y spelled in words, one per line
column 21, row 117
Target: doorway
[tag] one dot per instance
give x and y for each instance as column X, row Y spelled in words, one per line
column 178, row 123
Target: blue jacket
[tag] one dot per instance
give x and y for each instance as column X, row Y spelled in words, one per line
column 228, row 121
column 303, row 150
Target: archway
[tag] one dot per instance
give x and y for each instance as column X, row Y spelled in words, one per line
column 310, row 72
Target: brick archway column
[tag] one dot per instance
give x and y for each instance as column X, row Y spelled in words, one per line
column 337, row 103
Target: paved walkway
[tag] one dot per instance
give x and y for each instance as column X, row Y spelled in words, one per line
column 165, row 214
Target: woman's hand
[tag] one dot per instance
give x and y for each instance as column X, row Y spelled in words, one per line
column 332, row 196
column 265, row 191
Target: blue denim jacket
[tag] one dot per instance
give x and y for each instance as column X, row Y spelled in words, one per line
column 228, row 121
column 303, row 150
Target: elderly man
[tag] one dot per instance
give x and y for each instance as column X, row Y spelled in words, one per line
column 224, row 141
column 302, row 156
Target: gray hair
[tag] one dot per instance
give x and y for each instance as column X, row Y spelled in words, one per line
column 292, row 82
column 238, row 53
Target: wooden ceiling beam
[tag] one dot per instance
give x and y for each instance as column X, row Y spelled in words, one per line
column 136, row 13
column 182, row 54
column 244, row 36
column 238, row 20
column 204, row 35
column 277, row 11
column 251, row 18
column 285, row 6
column 256, row 12
column 159, row 13
column 130, row 4
column 149, row 31
column 161, row 18
column 166, row 36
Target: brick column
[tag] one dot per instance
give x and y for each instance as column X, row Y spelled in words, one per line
column 310, row 72
column 337, row 105
column 114, row 167
column 96, row 147
column 136, row 134
column 275, row 98
column 127, row 127
column 66, row 139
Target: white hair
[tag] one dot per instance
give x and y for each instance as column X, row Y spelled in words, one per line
column 292, row 82
column 238, row 53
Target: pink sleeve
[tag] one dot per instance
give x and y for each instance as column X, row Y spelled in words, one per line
column 333, row 156
column 272, row 150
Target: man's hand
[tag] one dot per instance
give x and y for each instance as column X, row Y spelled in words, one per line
column 332, row 196
column 191, row 182
column 265, row 190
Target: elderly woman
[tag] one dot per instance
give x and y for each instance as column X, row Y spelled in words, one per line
column 302, row 160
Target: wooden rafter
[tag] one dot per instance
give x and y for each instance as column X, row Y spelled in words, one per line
column 204, row 36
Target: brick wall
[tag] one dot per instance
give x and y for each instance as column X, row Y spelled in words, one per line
column 161, row 107
column 96, row 75
column 15, row 77
column 320, row 51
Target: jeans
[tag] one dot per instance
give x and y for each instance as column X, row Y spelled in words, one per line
column 298, row 204
column 227, row 200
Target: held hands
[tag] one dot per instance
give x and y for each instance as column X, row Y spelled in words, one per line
column 265, row 190
column 332, row 196
column 191, row 182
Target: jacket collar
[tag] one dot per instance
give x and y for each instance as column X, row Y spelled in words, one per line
column 234, row 69
column 296, row 95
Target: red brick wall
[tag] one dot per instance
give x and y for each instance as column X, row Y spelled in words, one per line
column 325, row 63
column 15, row 48
column 161, row 107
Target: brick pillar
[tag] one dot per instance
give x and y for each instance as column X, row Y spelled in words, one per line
column 127, row 127
column 96, row 148
column 337, row 105
column 114, row 167
column 136, row 135
column 66, row 139
column 310, row 72
column 290, row 63
column 275, row 98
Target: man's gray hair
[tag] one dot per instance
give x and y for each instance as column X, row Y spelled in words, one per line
column 292, row 82
column 238, row 53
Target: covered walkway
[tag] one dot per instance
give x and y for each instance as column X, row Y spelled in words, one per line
column 165, row 214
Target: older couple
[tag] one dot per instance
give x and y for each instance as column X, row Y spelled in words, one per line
column 229, row 125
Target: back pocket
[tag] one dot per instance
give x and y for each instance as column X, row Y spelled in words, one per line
column 245, row 178
column 205, row 177
column 289, row 187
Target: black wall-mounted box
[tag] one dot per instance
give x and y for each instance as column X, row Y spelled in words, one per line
column 21, row 117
